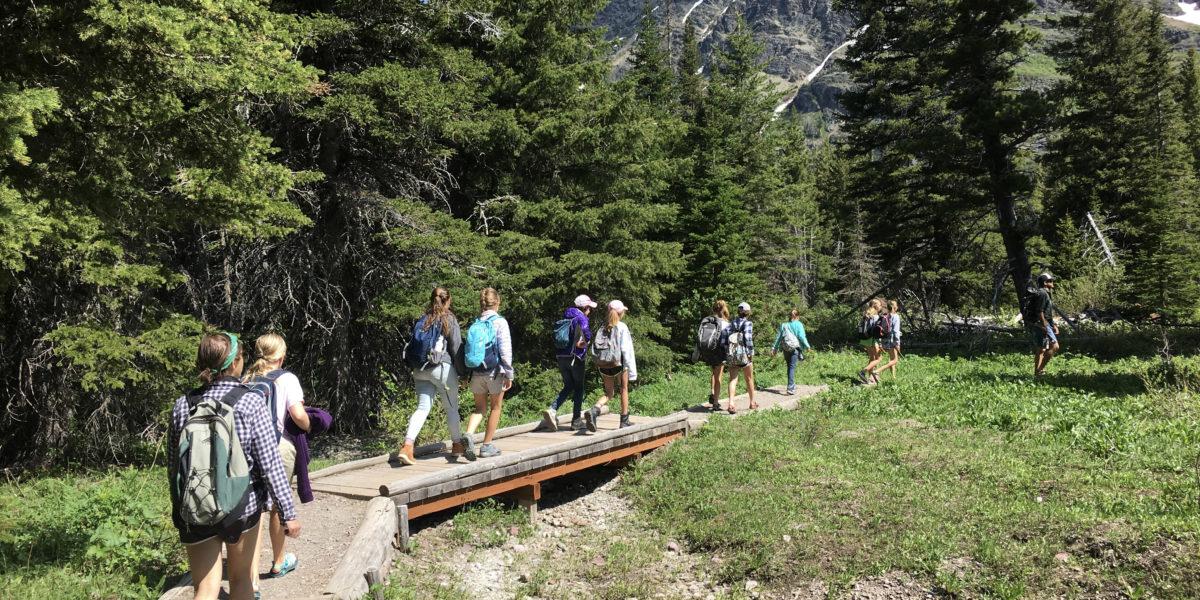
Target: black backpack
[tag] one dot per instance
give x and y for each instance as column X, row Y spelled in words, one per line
column 866, row 328
column 1029, row 307
column 883, row 327
column 708, row 340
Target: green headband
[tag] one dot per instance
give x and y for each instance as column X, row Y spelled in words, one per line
column 233, row 350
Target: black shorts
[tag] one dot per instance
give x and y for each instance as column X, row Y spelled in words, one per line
column 230, row 533
column 611, row 371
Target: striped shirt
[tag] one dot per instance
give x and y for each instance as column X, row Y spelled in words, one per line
column 256, row 432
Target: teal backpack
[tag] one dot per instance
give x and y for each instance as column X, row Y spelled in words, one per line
column 482, row 350
column 212, row 480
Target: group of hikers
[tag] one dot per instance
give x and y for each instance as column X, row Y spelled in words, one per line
column 241, row 437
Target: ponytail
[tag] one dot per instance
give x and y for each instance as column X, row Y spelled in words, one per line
column 269, row 349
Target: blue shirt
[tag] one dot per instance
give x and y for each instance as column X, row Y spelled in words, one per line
column 797, row 329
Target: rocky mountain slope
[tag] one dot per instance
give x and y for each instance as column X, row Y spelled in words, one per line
column 800, row 35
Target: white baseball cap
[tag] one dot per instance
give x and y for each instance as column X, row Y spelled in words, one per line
column 617, row 305
column 583, row 301
column 744, row 307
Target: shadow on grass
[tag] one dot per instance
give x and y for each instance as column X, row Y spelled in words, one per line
column 1108, row 385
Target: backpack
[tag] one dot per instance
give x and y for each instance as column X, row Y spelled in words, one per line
column 566, row 335
column 791, row 343
column 883, row 327
column 865, row 327
column 482, row 350
column 1029, row 308
column 709, row 337
column 737, row 352
column 265, row 385
column 212, row 480
column 425, row 344
column 606, row 348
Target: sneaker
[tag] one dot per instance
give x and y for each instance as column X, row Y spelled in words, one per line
column 862, row 377
column 577, row 424
column 405, row 454
column 488, row 451
column 549, row 420
column 624, row 422
column 590, row 417
column 468, row 442
column 791, row 392
column 456, row 448
column 287, row 566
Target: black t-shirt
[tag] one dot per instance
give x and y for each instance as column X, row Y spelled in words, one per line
column 1043, row 304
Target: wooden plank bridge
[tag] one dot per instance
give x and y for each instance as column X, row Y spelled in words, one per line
column 393, row 494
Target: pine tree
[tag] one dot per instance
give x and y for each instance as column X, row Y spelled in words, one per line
column 1122, row 149
column 939, row 128
column 689, row 79
column 1189, row 104
column 650, row 71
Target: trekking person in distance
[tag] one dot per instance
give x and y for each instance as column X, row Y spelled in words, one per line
column 891, row 344
column 285, row 399
column 869, row 340
column 489, row 356
column 710, row 349
column 739, row 343
column 571, row 337
column 792, row 340
column 612, row 351
column 206, row 520
column 1042, row 327
column 431, row 353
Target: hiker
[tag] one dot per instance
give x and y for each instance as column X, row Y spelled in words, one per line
column 571, row 337
column 216, row 509
column 869, row 340
column 891, row 344
column 431, row 352
column 739, row 344
column 284, row 401
column 612, row 351
column 488, row 355
column 793, row 342
column 1042, row 327
column 710, row 349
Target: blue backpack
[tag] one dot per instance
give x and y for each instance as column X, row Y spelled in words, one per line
column 565, row 335
column 265, row 385
column 424, row 345
column 482, row 348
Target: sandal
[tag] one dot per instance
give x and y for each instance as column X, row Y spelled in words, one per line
column 732, row 409
column 287, row 566
column 754, row 407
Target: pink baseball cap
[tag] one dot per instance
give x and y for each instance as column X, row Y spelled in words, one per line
column 617, row 305
column 583, row 301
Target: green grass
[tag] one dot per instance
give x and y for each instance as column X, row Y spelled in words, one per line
column 964, row 472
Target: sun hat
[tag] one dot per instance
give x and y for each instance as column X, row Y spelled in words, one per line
column 617, row 305
column 744, row 307
column 583, row 301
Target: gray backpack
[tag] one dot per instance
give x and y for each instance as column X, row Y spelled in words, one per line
column 212, row 480
column 606, row 348
column 791, row 343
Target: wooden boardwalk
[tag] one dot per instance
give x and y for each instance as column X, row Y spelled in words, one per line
column 394, row 494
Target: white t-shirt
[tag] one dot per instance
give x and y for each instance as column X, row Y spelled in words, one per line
column 287, row 386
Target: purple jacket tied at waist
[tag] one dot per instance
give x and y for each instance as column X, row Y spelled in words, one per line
column 318, row 422
column 581, row 323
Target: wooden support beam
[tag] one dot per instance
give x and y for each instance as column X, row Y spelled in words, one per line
column 375, row 582
column 370, row 548
column 527, row 498
column 402, row 534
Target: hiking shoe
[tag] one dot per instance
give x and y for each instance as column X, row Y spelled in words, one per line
column 549, row 420
column 488, row 451
column 576, row 424
column 287, row 566
column 713, row 404
column 590, row 417
column 405, row 454
column 468, row 442
column 862, row 377
column 456, row 448
column 624, row 422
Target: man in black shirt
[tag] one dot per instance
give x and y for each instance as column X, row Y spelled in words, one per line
column 1042, row 328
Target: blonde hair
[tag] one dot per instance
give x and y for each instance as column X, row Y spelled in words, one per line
column 794, row 314
column 213, row 350
column 873, row 307
column 893, row 306
column 614, row 317
column 489, row 299
column 721, row 309
column 269, row 348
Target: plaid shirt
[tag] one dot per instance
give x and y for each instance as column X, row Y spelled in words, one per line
column 256, row 432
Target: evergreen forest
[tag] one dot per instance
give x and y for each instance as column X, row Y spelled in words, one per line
column 314, row 167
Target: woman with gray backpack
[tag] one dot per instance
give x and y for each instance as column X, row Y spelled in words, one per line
column 223, row 423
column 739, row 354
column 711, row 350
column 612, row 352
column 792, row 340
column 431, row 353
